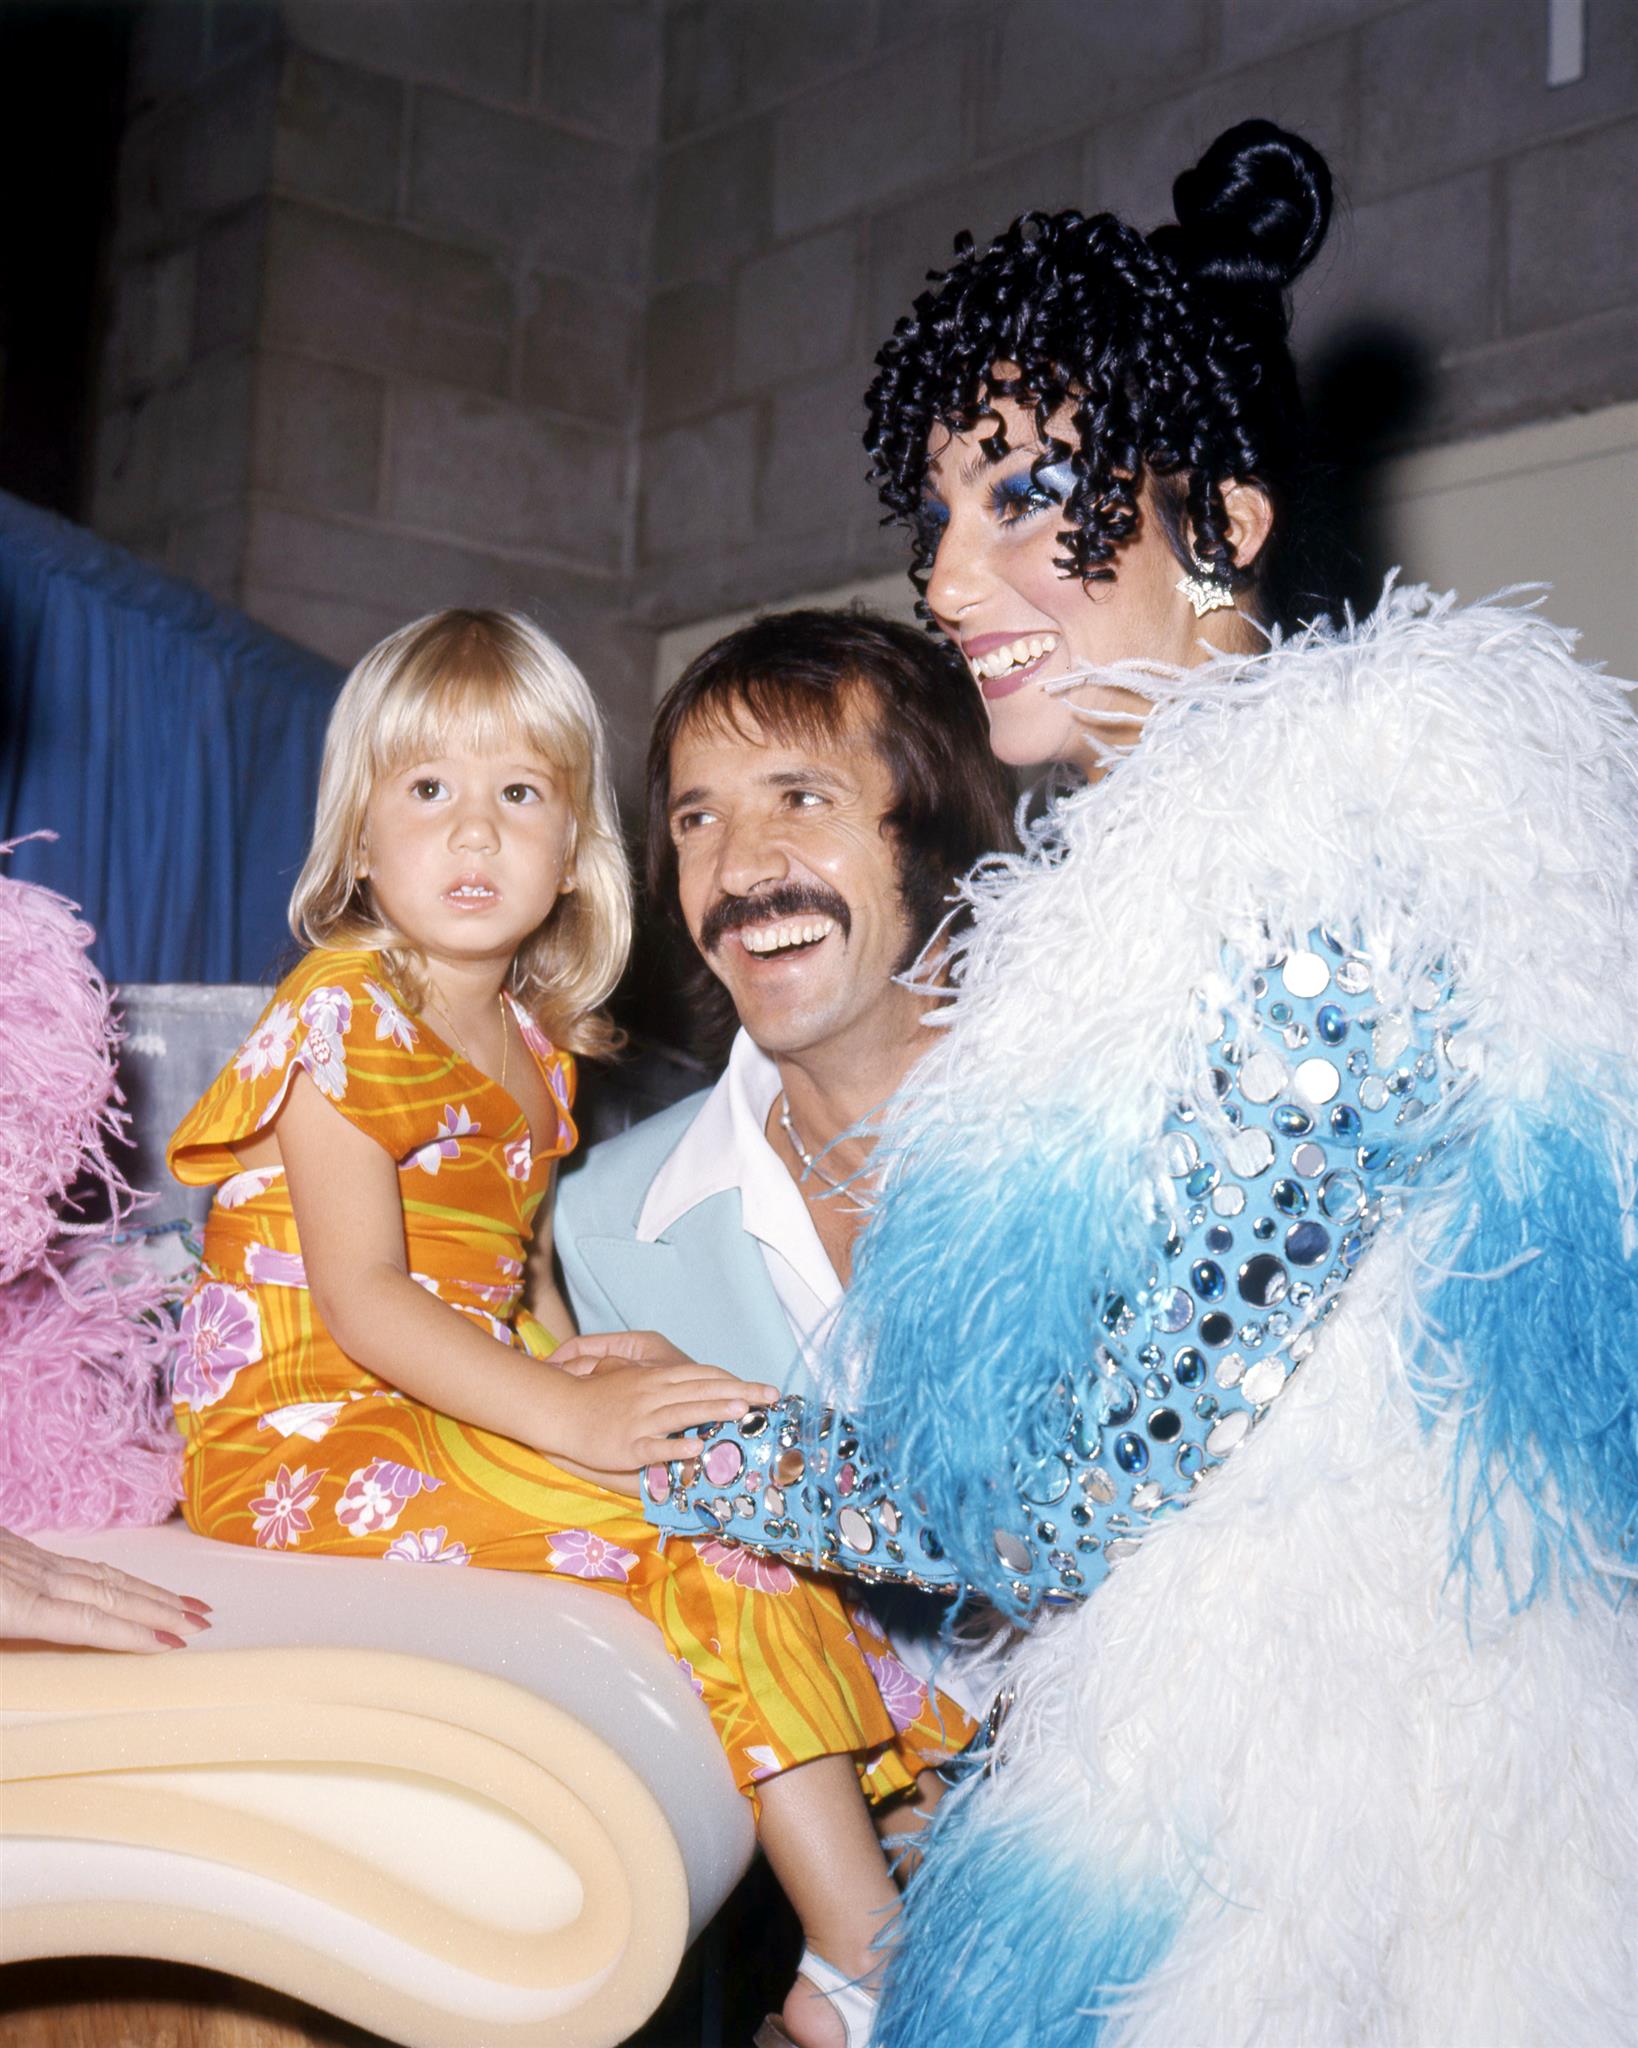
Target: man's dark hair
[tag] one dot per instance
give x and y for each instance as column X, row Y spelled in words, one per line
column 806, row 676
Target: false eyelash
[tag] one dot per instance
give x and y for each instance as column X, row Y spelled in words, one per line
column 1025, row 493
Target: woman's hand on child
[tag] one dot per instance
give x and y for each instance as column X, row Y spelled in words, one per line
column 619, row 1415
column 45, row 1598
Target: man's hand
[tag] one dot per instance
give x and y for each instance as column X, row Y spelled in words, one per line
column 45, row 1598
column 581, row 1355
column 617, row 1415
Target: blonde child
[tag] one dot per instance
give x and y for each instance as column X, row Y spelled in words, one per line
column 358, row 1372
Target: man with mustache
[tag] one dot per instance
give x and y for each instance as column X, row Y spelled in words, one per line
column 817, row 782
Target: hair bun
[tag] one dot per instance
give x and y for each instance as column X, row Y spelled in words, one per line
column 1252, row 213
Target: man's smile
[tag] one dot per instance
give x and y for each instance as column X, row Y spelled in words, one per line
column 798, row 935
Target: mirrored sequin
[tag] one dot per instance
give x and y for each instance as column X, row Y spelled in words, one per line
column 790, row 1468
column 1165, row 1425
column 1353, row 977
column 1317, row 1080
column 1308, row 1160
column 1182, row 1154
column 1047, row 1481
column 1263, row 1281
column 1176, row 1311
column 1013, row 1551
column 1189, row 1366
column 1131, row 1452
column 1097, row 1484
column 857, row 1531
column 1288, row 1197
column 722, row 1463
column 1230, row 1370
column 1227, row 1432
column 1250, row 1152
column 1341, row 1195
column 1206, row 1277
column 1216, row 1329
column 1305, row 975
column 1306, row 1244
column 1291, row 1121
column 1262, row 1077
column 1264, row 1380
column 1331, row 1023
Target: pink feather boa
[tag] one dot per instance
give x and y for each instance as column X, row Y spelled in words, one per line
column 85, row 1344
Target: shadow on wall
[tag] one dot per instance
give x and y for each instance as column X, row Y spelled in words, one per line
column 1369, row 389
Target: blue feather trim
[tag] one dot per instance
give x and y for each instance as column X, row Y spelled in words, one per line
column 973, row 1299
column 1538, row 1309
column 999, row 1945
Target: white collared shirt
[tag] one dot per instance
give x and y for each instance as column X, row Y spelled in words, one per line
column 726, row 1147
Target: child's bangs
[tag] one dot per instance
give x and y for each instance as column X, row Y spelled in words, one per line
column 471, row 698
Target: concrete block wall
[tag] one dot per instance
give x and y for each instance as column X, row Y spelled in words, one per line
column 381, row 275
column 571, row 303
column 816, row 161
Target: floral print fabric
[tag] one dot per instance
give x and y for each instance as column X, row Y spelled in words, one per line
column 290, row 1445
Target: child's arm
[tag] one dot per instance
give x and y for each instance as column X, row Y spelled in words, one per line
column 350, row 1219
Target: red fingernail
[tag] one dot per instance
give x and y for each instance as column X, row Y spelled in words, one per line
column 198, row 1606
column 163, row 1635
column 197, row 1622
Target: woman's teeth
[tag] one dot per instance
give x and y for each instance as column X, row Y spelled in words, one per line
column 773, row 938
column 1001, row 661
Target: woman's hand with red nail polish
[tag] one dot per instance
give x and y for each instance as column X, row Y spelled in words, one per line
column 45, row 1598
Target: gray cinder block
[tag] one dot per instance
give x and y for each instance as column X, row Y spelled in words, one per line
column 867, row 137
column 711, row 203
column 794, row 308
column 1572, row 228
column 549, row 199
column 385, row 298
column 337, row 134
column 482, row 48
column 317, row 433
column 697, row 487
column 1456, row 82
column 505, row 474
column 578, row 345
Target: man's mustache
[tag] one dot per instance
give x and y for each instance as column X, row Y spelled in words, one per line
column 770, row 906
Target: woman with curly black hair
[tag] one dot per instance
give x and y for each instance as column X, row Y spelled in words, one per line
column 1254, row 1271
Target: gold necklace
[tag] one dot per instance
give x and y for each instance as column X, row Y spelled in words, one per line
column 460, row 1042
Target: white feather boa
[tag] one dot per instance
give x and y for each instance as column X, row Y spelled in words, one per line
column 1354, row 1795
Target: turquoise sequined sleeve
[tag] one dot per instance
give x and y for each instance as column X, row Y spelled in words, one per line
column 1295, row 1152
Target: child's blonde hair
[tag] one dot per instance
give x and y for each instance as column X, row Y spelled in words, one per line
column 485, row 680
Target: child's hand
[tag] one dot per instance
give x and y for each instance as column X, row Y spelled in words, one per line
column 619, row 1416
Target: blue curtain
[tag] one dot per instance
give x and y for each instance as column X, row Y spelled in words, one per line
column 171, row 744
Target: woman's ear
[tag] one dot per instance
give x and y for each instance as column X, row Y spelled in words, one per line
column 1250, row 520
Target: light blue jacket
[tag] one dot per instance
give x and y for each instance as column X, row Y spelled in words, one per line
column 703, row 1283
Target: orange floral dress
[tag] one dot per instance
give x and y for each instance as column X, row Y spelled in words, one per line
column 293, row 1446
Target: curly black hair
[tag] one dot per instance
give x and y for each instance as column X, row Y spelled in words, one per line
column 1169, row 350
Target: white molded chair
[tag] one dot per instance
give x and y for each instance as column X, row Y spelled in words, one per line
column 462, row 1808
